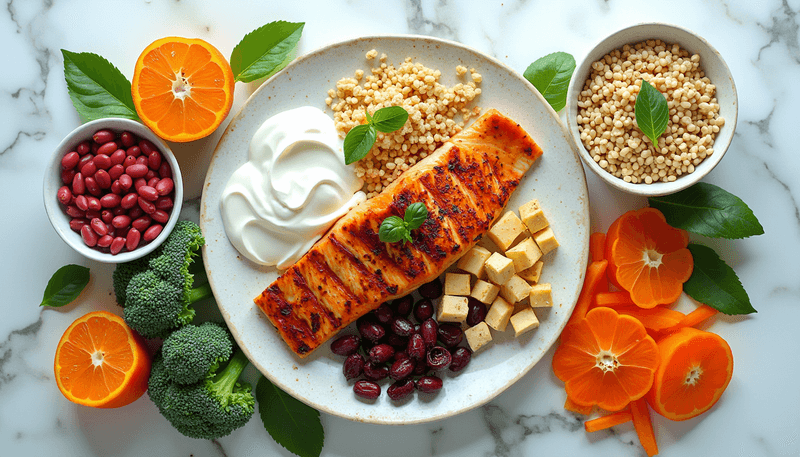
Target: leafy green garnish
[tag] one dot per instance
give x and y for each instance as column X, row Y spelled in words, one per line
column 550, row 75
column 710, row 211
column 652, row 112
column 359, row 139
column 714, row 283
column 65, row 285
column 292, row 424
column 394, row 229
column 96, row 87
column 265, row 50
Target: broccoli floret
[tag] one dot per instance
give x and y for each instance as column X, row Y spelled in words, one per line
column 193, row 351
column 123, row 274
column 208, row 409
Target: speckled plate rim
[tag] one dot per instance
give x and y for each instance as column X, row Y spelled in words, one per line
column 584, row 216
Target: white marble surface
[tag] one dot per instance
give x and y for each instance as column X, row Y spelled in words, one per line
column 757, row 416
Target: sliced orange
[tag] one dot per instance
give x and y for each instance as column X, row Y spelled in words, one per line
column 182, row 88
column 101, row 362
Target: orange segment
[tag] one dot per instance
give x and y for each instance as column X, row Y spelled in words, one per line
column 182, row 88
column 101, row 362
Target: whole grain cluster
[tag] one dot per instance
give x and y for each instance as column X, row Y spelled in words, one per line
column 606, row 112
column 436, row 113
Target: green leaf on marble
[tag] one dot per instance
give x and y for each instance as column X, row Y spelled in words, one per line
column 97, row 88
column 550, row 75
column 291, row 423
column 715, row 283
column 265, row 50
column 65, row 285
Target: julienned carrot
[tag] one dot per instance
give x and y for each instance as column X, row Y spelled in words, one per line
column 595, row 274
column 611, row 420
column 570, row 405
column 697, row 316
column 613, row 299
column 644, row 426
column 597, row 246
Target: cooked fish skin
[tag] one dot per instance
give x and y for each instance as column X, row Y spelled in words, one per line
column 465, row 185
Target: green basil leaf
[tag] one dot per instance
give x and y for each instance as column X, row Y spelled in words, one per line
column 550, row 75
column 96, row 87
column 358, row 142
column 65, row 285
column 291, row 423
column 415, row 215
column 651, row 111
column 389, row 119
column 393, row 229
column 710, row 211
column 714, row 283
column 265, row 50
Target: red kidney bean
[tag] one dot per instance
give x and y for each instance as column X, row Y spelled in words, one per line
column 146, row 206
column 401, row 369
column 164, row 203
column 165, row 186
column 134, row 151
column 117, row 245
column 81, row 202
column 136, row 171
column 116, row 187
column 152, row 233
column 83, row 148
column 432, row 290
column 402, row 326
column 107, row 216
column 102, row 161
column 78, row 184
column 103, row 136
column 402, row 306
column 135, row 212
column 141, row 223
column 110, row 200
column 423, row 309
column 103, row 179
column 99, row 226
column 429, row 384
column 148, row 193
column 439, row 358
column 94, row 203
column 353, row 366
column 152, row 181
column 141, row 160
column 132, row 240
column 416, row 347
column 165, row 171
column 381, row 353
column 400, row 390
column 117, row 157
column 121, row 221
column 105, row 241
column 397, row 341
column 67, row 176
column 461, row 357
column 429, row 329
column 367, row 389
column 369, row 330
column 420, row 368
column 127, row 139
column 400, row 355
column 147, row 147
column 91, row 214
column 88, row 235
column 70, row 160
column 125, row 181
column 108, row 148
column 375, row 372
column 88, row 168
column 119, row 211
column 450, row 335
column 76, row 224
column 383, row 313
column 476, row 312
column 94, row 147
column 115, row 171
column 160, row 216
column 73, row 211
column 154, row 160
column 129, row 160
column 64, row 195
column 346, row 345
column 139, row 182
column 129, row 201
column 92, row 187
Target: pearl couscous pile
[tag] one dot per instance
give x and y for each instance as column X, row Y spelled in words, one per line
column 606, row 113
column 435, row 113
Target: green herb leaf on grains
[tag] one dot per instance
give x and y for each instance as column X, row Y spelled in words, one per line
column 292, row 424
column 65, row 285
column 714, row 283
column 710, row 211
column 359, row 139
column 550, row 75
column 651, row 112
column 389, row 119
column 394, row 229
column 96, row 87
column 265, row 50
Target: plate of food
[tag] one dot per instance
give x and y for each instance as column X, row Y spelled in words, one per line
column 485, row 192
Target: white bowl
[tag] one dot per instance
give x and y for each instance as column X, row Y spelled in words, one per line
column 711, row 63
column 52, row 182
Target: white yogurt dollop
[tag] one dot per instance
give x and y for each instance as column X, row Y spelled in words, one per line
column 294, row 186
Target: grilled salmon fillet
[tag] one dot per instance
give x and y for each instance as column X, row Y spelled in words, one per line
column 465, row 184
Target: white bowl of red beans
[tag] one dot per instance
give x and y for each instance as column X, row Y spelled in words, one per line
column 113, row 190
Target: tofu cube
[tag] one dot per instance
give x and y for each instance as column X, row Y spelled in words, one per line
column 524, row 321
column 498, row 315
column 506, row 230
column 533, row 216
column 478, row 336
column 546, row 240
column 473, row 260
column 515, row 289
column 524, row 255
column 533, row 273
column 484, row 292
column 452, row 309
column 541, row 296
column 456, row 284
column 499, row 268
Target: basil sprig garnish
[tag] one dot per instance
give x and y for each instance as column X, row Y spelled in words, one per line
column 394, row 229
column 359, row 139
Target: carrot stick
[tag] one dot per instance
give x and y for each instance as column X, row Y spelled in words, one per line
column 611, row 420
column 658, row 318
column 594, row 275
column 697, row 316
column 570, row 405
column 644, row 426
column 613, row 299
column 597, row 246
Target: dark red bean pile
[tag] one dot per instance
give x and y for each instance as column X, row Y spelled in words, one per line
column 118, row 191
column 409, row 351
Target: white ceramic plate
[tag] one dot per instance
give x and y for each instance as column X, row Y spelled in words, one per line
column 557, row 180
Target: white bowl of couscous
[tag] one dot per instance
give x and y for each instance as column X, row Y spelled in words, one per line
column 701, row 96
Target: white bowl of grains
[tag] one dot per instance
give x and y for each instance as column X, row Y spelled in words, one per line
column 701, row 97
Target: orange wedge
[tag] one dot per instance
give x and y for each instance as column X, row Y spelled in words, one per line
column 101, row 362
column 182, row 88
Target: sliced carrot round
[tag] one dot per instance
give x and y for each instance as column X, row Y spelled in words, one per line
column 696, row 368
column 182, row 88
column 101, row 362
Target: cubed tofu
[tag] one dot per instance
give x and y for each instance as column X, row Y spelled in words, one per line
column 452, row 309
column 484, row 292
column 524, row 255
column 546, row 240
column 456, row 284
column 515, row 289
column 541, row 296
column 524, row 321
column 533, row 216
column 533, row 273
column 499, row 268
column 473, row 260
column 506, row 230
column 478, row 336
column 498, row 315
